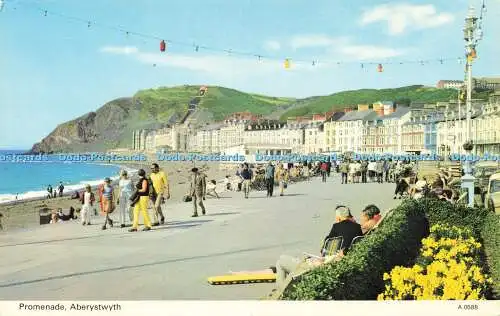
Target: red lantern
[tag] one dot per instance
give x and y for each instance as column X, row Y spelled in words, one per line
column 163, row 46
column 380, row 68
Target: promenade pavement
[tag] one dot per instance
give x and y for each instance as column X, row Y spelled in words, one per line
column 73, row 262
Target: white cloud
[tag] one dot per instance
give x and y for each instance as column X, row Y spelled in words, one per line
column 219, row 66
column 272, row 45
column 369, row 52
column 400, row 17
column 313, row 40
column 343, row 48
column 121, row 50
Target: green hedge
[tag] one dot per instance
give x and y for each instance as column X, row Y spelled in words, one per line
column 484, row 224
column 358, row 276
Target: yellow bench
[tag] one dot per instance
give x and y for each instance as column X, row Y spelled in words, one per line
column 242, row 279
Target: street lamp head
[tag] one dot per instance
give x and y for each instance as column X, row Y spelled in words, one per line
column 471, row 13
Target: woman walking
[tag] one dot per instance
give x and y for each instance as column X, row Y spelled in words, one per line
column 282, row 178
column 125, row 188
column 107, row 202
column 88, row 200
column 142, row 204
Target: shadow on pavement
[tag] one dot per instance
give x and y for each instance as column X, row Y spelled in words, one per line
column 224, row 213
column 155, row 263
column 178, row 226
column 197, row 221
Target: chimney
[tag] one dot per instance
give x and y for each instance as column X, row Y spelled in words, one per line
column 363, row 107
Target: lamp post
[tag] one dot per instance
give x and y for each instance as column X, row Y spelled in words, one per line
column 472, row 35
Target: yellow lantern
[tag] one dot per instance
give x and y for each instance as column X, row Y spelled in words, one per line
column 287, row 63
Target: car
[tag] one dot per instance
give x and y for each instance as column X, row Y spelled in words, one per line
column 492, row 198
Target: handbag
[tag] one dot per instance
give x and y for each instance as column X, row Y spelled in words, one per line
column 134, row 198
column 187, row 198
column 285, row 185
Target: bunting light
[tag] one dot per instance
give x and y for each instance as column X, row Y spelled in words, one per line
column 287, row 62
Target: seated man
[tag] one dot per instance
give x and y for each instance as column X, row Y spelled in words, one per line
column 344, row 227
column 370, row 216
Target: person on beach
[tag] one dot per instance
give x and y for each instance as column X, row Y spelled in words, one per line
column 49, row 191
column 107, row 202
column 211, row 188
column 162, row 190
column 269, row 177
column 197, row 191
column 88, row 200
column 125, row 188
column 1, row 225
column 54, row 193
column 246, row 175
column 61, row 189
column 141, row 205
column 59, row 216
column 282, row 178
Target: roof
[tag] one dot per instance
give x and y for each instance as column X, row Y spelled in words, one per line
column 336, row 116
column 400, row 112
column 359, row 115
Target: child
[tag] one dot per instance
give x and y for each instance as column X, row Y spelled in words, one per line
column 211, row 188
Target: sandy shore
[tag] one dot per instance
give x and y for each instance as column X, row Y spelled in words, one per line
column 25, row 214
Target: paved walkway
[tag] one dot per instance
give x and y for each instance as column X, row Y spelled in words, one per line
column 70, row 261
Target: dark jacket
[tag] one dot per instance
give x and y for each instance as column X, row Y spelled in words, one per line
column 347, row 230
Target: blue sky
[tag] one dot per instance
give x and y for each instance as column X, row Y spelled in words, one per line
column 53, row 70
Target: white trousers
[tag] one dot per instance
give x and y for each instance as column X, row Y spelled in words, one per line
column 124, row 208
column 85, row 213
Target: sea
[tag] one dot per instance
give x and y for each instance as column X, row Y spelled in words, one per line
column 23, row 180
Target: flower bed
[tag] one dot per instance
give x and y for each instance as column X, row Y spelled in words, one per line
column 358, row 276
column 398, row 241
column 448, row 269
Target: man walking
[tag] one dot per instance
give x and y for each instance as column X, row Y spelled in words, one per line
column 269, row 177
column 324, row 171
column 162, row 189
column 364, row 170
column 246, row 175
column 344, row 169
column 197, row 191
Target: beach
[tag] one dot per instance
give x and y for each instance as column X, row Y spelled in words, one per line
column 25, row 214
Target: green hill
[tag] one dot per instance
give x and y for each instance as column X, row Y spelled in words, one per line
column 162, row 103
column 112, row 124
column 343, row 99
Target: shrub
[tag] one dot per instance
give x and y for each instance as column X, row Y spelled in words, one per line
column 447, row 269
column 359, row 275
column 491, row 242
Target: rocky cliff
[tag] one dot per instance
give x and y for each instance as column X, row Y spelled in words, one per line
column 106, row 128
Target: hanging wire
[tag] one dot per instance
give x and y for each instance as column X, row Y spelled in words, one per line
column 219, row 50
